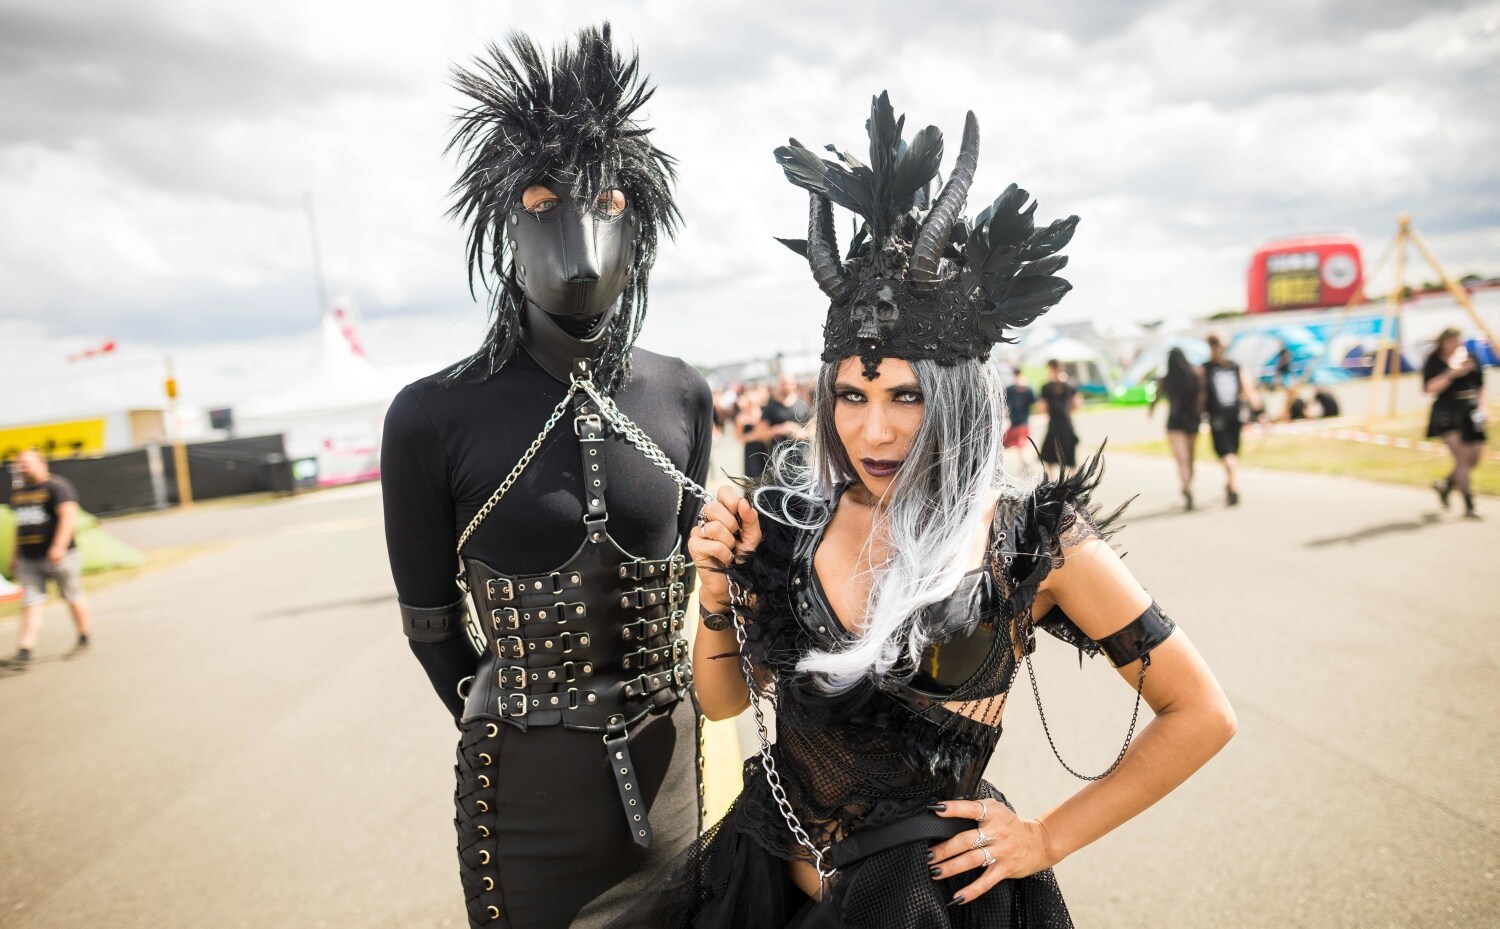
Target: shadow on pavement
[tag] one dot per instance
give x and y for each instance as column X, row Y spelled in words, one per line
column 1374, row 532
column 327, row 605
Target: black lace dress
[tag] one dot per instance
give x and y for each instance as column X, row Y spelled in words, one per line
column 871, row 757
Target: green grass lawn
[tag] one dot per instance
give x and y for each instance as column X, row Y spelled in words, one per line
column 1291, row 452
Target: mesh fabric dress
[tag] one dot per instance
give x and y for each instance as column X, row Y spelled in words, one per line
column 868, row 758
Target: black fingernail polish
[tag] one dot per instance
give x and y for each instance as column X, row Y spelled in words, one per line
column 937, row 807
column 956, row 901
column 934, row 871
column 931, row 857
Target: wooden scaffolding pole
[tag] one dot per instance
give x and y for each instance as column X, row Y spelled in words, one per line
column 1388, row 326
column 1454, row 288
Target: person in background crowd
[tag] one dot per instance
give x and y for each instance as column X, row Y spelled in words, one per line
column 1183, row 387
column 46, row 509
column 786, row 413
column 752, row 429
column 1019, row 401
column 1226, row 389
column 1328, row 404
column 1296, row 408
column 1060, row 447
column 1283, row 368
column 1454, row 379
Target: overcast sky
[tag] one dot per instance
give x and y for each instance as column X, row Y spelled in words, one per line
column 155, row 154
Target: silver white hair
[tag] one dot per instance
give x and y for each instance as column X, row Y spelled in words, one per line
column 935, row 508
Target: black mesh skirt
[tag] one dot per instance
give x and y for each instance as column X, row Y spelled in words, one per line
column 729, row 880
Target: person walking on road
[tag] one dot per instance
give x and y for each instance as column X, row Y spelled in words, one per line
column 1019, row 401
column 1060, row 447
column 1183, row 387
column 1225, row 390
column 1455, row 380
column 46, row 509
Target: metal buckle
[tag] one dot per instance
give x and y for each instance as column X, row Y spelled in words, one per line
column 511, row 615
column 510, row 589
column 515, row 644
column 676, row 594
column 502, row 674
column 592, row 420
column 516, row 709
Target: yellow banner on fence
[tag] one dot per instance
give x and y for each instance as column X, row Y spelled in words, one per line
column 55, row 440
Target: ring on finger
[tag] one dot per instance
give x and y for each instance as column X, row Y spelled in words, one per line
column 984, row 810
column 988, row 858
column 980, row 839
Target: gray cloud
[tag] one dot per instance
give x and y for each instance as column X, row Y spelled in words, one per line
column 153, row 154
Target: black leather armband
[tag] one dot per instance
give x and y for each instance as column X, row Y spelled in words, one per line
column 1132, row 643
column 1136, row 640
column 434, row 623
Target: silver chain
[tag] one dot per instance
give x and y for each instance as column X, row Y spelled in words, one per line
column 778, row 793
column 515, row 473
column 641, row 441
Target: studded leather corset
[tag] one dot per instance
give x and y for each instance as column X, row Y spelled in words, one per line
column 593, row 645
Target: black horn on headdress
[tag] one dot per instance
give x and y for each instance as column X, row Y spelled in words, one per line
column 823, row 245
column 927, row 254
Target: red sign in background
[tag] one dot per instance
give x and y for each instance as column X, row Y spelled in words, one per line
column 1297, row 274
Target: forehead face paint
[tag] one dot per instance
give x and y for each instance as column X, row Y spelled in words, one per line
column 573, row 258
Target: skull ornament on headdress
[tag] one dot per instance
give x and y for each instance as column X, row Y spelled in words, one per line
column 919, row 281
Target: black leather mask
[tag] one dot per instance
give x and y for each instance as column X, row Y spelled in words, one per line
column 572, row 260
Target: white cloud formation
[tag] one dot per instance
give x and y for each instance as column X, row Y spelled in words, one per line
column 154, row 154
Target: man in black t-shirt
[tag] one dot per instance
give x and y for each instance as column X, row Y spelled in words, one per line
column 46, row 509
column 1226, row 389
column 786, row 414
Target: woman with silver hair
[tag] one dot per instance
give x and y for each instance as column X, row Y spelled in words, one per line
column 882, row 587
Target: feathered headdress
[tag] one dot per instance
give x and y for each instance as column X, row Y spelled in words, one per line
column 919, row 282
column 571, row 115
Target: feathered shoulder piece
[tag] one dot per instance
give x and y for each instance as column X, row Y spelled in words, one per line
column 1031, row 531
column 919, row 280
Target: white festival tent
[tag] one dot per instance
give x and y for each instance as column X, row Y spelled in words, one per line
column 333, row 413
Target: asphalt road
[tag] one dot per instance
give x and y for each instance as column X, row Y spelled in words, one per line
column 251, row 744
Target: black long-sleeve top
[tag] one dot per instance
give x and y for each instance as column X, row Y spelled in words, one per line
column 448, row 445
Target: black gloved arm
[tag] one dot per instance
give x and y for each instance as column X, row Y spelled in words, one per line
column 419, row 537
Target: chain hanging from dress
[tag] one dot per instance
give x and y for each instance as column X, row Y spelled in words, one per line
column 773, row 777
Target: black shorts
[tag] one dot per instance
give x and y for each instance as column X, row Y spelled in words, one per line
column 1226, row 435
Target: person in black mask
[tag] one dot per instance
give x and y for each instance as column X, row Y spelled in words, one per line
column 534, row 500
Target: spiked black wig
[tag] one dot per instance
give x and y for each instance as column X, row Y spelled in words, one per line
column 535, row 117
